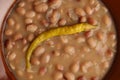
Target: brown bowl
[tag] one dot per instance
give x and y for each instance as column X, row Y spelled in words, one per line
column 113, row 6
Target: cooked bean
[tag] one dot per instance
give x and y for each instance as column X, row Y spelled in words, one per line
column 17, row 27
column 59, row 67
column 111, row 35
column 72, row 15
column 55, row 3
column 107, row 20
column 88, row 10
column 38, row 16
column 30, row 14
column 69, row 49
column 12, row 56
column 80, row 12
column 30, row 37
column 109, row 53
column 62, row 22
column 25, row 48
column 85, row 66
column 75, row 67
column 80, row 39
column 8, row 32
column 55, row 17
column 18, row 36
column 88, row 34
column 9, row 44
column 41, row 8
column 39, row 51
column 30, row 76
column 35, row 61
column 10, row 22
column 20, row 73
column 12, row 66
column 24, row 41
column 22, row 4
column 81, row 78
column 45, row 58
column 58, row 75
column 83, row 19
column 31, row 27
column 42, row 71
column 92, row 21
column 21, row 10
column 101, row 36
column 64, row 39
column 86, row 49
column 28, row 21
column 105, row 65
column 45, row 23
column 92, row 42
column 69, row 76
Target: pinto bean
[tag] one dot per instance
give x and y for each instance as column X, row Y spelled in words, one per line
column 12, row 56
column 8, row 44
column 20, row 73
column 55, row 3
column 21, row 10
column 8, row 32
column 30, row 14
column 69, row 76
column 10, row 22
column 62, row 22
column 30, row 37
column 59, row 67
column 88, row 10
column 42, row 71
column 58, row 75
column 107, row 20
column 92, row 21
column 45, row 58
column 39, row 51
column 80, row 12
column 28, row 21
column 22, row 4
column 18, row 36
column 92, row 42
column 41, row 8
column 69, row 49
column 55, row 17
column 75, row 67
column 35, row 61
column 31, row 27
column 83, row 19
column 85, row 66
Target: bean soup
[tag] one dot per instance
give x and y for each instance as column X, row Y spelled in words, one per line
column 81, row 56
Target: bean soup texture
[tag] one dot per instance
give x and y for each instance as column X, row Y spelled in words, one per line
column 81, row 56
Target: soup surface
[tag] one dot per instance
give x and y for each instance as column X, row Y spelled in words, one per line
column 82, row 56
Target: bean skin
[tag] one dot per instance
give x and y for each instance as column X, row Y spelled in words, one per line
column 41, row 8
column 58, row 75
column 21, row 11
column 69, row 76
column 31, row 28
column 10, row 22
column 8, row 32
column 39, row 51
